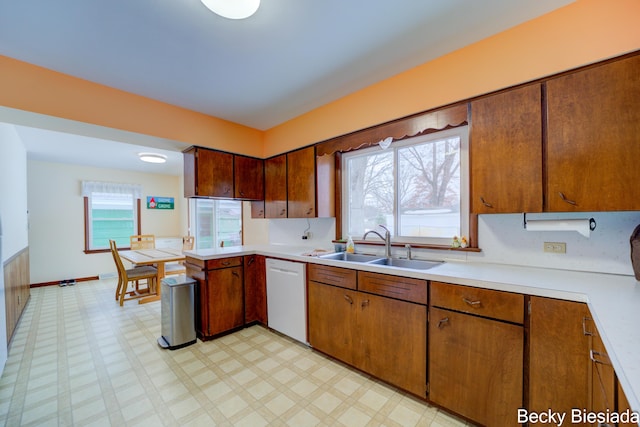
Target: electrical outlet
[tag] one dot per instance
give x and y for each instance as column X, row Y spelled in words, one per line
column 307, row 235
column 555, row 247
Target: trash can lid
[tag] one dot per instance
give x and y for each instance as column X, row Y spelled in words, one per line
column 178, row 280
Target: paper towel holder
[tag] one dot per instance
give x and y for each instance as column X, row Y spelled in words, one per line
column 592, row 223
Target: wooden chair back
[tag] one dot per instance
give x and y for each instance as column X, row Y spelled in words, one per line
column 134, row 275
column 142, row 241
column 187, row 243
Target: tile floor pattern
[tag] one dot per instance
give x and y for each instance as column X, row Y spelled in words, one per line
column 79, row 359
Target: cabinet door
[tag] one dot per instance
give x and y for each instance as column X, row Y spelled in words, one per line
column 208, row 173
column 225, row 299
column 255, row 289
column 301, row 183
column 558, row 355
column 476, row 366
column 506, row 152
column 593, row 128
column 332, row 320
column 275, row 171
column 603, row 378
column 623, row 406
column 248, row 178
column 393, row 341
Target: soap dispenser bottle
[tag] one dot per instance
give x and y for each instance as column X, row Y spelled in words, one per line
column 351, row 248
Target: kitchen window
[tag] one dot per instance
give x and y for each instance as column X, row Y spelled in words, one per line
column 112, row 212
column 418, row 188
column 217, row 222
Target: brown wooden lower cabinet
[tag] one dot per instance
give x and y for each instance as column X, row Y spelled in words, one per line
column 255, row 289
column 475, row 366
column 220, row 295
column 558, row 355
column 381, row 336
column 603, row 382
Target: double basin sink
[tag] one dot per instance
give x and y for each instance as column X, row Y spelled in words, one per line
column 416, row 264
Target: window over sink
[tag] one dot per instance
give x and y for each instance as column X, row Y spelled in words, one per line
column 418, row 188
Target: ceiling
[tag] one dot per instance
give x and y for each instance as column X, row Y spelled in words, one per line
column 290, row 57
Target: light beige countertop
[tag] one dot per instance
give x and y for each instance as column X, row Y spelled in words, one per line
column 614, row 300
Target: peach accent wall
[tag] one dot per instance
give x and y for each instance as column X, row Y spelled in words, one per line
column 28, row 87
column 583, row 32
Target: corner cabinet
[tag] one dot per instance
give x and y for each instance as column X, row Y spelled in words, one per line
column 593, row 128
column 351, row 319
column 559, row 361
column 506, row 152
column 219, row 296
column 301, row 183
column 248, row 178
column 275, row 202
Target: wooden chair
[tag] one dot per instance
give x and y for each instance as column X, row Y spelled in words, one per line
column 179, row 267
column 133, row 276
column 142, row 241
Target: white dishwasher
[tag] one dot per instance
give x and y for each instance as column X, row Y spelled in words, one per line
column 287, row 298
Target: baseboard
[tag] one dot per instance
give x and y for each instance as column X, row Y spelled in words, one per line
column 65, row 282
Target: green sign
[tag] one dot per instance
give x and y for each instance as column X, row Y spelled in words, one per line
column 155, row 202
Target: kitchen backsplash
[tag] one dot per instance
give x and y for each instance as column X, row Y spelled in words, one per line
column 504, row 240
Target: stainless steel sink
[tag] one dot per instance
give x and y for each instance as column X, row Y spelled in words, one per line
column 345, row 256
column 417, row 264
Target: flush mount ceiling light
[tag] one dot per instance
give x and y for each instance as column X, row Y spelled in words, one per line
column 152, row 157
column 232, row 9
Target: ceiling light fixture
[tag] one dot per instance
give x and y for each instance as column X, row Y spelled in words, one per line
column 232, row 9
column 152, row 157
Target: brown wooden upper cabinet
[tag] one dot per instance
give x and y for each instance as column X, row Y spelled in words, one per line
column 506, row 152
column 208, row 173
column 248, row 178
column 301, row 183
column 593, row 148
column 212, row 173
column 275, row 171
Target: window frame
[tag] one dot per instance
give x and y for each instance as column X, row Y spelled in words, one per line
column 467, row 220
column 87, row 226
column 193, row 219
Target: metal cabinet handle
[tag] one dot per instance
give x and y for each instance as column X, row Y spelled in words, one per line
column 310, row 211
column 283, row 212
column 471, row 303
column 364, row 303
column 489, row 205
column 226, row 263
column 564, row 199
column 348, row 298
column 235, row 273
column 251, row 261
column 586, row 319
column 443, row 322
column 597, row 357
column 227, row 190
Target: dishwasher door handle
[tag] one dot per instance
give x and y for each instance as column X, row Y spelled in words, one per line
column 282, row 271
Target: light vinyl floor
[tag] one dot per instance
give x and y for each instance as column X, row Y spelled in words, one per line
column 79, row 359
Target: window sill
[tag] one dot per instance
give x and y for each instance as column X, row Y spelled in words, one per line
column 414, row 246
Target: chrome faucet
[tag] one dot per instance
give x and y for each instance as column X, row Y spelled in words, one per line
column 408, row 247
column 386, row 238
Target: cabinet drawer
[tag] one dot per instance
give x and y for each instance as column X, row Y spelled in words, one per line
column 336, row 276
column 483, row 302
column 213, row 264
column 404, row 288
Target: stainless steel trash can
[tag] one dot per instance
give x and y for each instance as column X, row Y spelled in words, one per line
column 177, row 319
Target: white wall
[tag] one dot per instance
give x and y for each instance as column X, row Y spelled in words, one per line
column 56, row 209
column 13, row 211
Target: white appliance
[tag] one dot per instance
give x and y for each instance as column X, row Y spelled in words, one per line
column 287, row 298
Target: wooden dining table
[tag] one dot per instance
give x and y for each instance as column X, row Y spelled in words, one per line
column 157, row 257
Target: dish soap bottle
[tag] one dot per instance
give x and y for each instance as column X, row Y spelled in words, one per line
column 351, row 248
